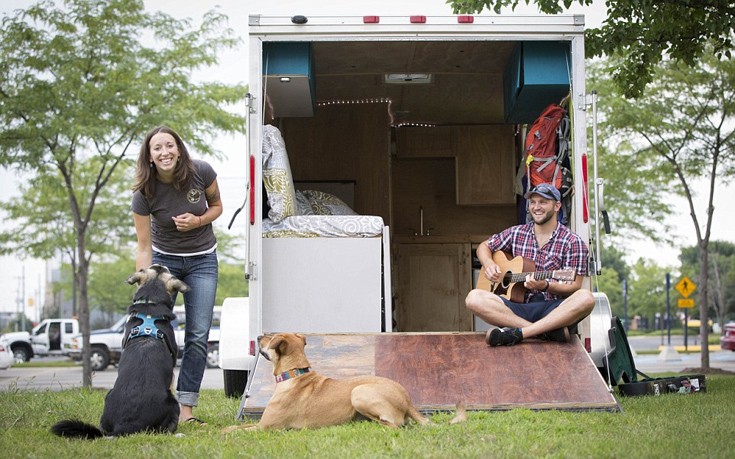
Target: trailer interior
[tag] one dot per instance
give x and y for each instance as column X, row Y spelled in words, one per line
column 426, row 134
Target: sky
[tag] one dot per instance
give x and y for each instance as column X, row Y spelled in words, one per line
column 26, row 278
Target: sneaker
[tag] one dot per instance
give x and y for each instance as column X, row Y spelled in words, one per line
column 504, row 336
column 560, row 335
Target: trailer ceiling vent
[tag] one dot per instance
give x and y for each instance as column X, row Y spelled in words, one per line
column 408, row 78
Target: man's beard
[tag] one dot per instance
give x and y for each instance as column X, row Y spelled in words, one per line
column 544, row 218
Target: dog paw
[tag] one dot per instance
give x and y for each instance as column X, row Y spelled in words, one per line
column 179, row 435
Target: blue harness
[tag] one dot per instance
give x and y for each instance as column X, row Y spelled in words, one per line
column 147, row 328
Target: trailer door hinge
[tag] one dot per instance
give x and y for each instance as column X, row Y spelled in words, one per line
column 250, row 271
column 249, row 99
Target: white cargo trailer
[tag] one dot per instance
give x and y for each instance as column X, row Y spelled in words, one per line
column 383, row 151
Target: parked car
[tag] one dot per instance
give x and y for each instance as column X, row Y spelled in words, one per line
column 107, row 343
column 6, row 355
column 727, row 340
column 50, row 337
column 212, row 346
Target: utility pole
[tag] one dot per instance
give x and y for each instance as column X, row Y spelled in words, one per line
column 23, row 300
column 625, row 304
column 18, row 303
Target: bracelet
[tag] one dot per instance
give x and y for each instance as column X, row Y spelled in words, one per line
column 547, row 286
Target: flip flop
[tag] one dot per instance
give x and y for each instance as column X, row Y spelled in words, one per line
column 193, row 420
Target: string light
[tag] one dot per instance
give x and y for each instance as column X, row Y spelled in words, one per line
column 378, row 100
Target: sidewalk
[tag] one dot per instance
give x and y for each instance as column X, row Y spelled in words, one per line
column 63, row 378
column 724, row 360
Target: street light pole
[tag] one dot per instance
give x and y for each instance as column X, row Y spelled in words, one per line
column 668, row 308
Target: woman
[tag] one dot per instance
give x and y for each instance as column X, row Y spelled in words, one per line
column 175, row 201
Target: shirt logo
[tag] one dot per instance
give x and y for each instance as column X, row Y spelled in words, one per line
column 194, row 195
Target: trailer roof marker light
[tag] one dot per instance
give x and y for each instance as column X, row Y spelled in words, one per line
column 285, row 79
column 299, row 19
column 370, row 19
column 418, row 19
column 465, row 19
column 408, row 78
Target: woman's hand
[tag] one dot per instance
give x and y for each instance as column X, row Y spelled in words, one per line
column 187, row 222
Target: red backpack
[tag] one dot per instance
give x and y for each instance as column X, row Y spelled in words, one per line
column 547, row 155
column 541, row 152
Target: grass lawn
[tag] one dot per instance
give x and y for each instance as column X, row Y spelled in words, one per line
column 688, row 426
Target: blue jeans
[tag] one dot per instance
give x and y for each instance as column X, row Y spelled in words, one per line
column 200, row 274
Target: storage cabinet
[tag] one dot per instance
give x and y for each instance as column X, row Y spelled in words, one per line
column 485, row 165
column 434, row 280
column 419, row 142
column 485, row 162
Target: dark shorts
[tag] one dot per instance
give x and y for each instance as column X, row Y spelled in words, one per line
column 532, row 312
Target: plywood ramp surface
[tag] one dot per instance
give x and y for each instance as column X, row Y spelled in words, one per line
column 441, row 369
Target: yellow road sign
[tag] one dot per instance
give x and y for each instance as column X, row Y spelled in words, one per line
column 686, row 303
column 686, row 287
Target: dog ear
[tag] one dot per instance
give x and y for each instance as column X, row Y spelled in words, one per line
column 279, row 344
column 159, row 269
column 174, row 284
column 137, row 277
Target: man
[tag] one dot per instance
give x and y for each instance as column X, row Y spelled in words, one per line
column 551, row 308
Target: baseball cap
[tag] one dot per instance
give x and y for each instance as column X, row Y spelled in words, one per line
column 546, row 190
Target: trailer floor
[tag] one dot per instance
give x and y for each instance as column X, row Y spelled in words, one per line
column 441, row 369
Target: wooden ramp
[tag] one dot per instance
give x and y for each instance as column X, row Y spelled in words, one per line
column 441, row 369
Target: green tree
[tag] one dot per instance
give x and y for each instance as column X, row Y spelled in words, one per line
column 647, row 290
column 642, row 32
column 111, row 294
column 49, row 218
column 80, row 84
column 231, row 281
column 614, row 258
column 109, row 291
column 609, row 282
column 677, row 136
column 615, row 271
column 721, row 277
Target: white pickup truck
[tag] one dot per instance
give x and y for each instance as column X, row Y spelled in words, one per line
column 50, row 337
column 107, row 343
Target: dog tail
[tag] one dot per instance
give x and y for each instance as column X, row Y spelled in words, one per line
column 73, row 428
column 460, row 415
column 414, row 414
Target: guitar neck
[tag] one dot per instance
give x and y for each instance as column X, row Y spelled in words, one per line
column 521, row 277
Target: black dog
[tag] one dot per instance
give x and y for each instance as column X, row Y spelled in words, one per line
column 141, row 399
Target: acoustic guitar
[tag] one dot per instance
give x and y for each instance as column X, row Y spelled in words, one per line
column 516, row 269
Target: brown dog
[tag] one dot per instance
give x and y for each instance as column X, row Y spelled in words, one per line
column 305, row 399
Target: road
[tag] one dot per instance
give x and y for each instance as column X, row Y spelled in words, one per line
column 676, row 362
column 63, row 378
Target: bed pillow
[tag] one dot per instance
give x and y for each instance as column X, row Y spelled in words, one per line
column 277, row 175
column 303, row 206
column 327, row 204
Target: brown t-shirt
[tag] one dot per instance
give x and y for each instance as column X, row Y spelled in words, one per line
column 167, row 202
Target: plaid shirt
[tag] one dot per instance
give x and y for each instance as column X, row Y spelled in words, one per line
column 565, row 250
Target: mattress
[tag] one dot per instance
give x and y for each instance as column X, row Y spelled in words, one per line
column 324, row 226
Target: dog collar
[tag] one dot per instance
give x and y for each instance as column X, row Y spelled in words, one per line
column 143, row 300
column 291, row 374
